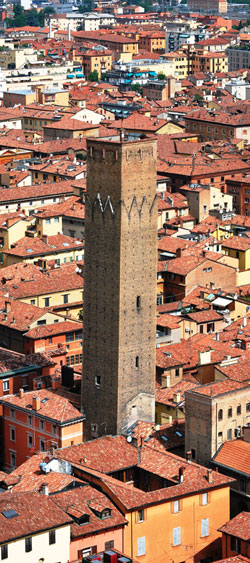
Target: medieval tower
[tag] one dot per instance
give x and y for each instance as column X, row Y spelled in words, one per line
column 119, row 284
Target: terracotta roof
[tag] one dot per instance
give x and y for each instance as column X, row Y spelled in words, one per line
column 37, row 191
column 34, row 513
column 167, row 466
column 167, row 396
column 235, row 455
column 238, row 243
column 107, row 454
column 87, row 500
column 52, row 405
column 39, row 282
column 29, row 477
column 205, row 316
column 27, row 247
column 220, row 388
column 45, row 331
column 239, row 526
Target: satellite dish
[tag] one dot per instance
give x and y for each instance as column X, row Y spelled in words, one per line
column 129, row 439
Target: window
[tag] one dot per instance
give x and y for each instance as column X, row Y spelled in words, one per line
column 42, row 445
column 54, row 429
column 248, row 407
column 109, row 545
column 230, row 412
column 4, row 551
column 70, row 337
column 141, row 515
column 177, row 536
column 52, row 537
column 138, row 302
column 30, row 440
column 176, row 506
column 29, row 420
column 193, row 453
column 243, row 485
column 220, row 436
column 56, row 220
column 177, row 372
column 239, row 409
column 220, row 414
column 6, row 385
column 46, row 301
column 204, row 499
column 47, row 221
column 28, row 544
column 32, row 301
column 205, row 527
column 66, row 298
column 12, row 413
column 78, row 335
column 137, row 362
column 98, row 381
column 235, row 544
column 141, row 546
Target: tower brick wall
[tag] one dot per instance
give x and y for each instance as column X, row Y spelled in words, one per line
column 120, row 290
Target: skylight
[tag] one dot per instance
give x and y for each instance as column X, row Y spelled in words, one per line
column 9, row 513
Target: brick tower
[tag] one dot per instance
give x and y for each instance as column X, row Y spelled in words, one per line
column 120, row 284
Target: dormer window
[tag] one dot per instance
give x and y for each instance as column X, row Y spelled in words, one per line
column 105, row 513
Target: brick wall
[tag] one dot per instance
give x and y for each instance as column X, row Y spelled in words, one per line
column 121, row 240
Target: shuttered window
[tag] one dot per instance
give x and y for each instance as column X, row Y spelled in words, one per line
column 141, row 546
column 204, row 527
column 177, row 536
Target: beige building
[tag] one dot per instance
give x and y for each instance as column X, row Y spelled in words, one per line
column 17, row 58
column 215, row 413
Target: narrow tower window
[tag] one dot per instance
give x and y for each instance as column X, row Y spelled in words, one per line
column 137, row 362
column 138, row 302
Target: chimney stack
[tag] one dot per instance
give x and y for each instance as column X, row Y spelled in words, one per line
column 21, row 393
column 181, row 474
column 36, row 403
column 44, row 489
column 209, row 476
column 7, row 306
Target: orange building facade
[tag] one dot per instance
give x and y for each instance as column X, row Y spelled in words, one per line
column 36, row 421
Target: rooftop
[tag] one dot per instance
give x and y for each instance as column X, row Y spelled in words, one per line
column 234, row 455
column 30, row 513
column 50, row 405
column 239, row 526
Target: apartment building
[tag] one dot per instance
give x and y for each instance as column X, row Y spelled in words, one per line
column 215, row 413
column 35, row 421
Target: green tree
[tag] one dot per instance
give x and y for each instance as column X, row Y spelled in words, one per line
column 80, row 315
column 198, row 98
column 136, row 87
column 161, row 76
column 93, row 76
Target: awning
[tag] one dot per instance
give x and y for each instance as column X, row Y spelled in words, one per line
column 222, row 302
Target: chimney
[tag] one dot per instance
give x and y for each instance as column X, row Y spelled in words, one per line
column 178, row 252
column 217, row 336
column 44, row 489
column 36, row 403
column 21, row 393
column 209, row 476
column 122, row 136
column 188, row 456
column 177, row 397
column 45, row 239
column 244, row 321
column 7, row 306
column 181, row 474
column 69, row 33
